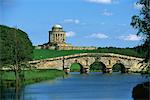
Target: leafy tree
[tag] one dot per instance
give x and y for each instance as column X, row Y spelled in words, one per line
column 141, row 22
column 15, row 48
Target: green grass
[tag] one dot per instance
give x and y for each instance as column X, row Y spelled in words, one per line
column 75, row 67
column 8, row 75
column 34, row 75
column 44, row 53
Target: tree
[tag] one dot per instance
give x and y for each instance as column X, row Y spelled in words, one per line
column 15, row 48
column 141, row 22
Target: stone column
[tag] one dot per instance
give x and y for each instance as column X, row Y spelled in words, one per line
column 107, row 70
column 58, row 37
column 67, row 70
column 55, row 37
column 125, row 70
column 63, row 37
column 85, row 69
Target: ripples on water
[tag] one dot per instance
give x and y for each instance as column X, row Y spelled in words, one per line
column 93, row 86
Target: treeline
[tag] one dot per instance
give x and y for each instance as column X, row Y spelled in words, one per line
column 136, row 51
column 143, row 50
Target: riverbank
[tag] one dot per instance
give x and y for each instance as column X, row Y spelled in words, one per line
column 32, row 76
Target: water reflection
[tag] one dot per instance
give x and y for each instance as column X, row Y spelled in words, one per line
column 93, row 86
column 10, row 91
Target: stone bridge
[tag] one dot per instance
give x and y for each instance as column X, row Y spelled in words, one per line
column 86, row 59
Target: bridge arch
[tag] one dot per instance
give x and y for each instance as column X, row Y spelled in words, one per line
column 98, row 66
column 119, row 67
column 76, row 67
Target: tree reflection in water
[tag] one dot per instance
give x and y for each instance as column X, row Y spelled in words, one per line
column 9, row 90
column 141, row 91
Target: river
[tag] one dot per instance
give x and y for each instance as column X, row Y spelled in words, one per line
column 93, row 86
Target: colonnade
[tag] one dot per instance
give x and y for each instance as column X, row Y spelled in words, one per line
column 59, row 38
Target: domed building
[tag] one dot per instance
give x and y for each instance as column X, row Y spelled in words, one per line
column 57, row 38
column 57, row 35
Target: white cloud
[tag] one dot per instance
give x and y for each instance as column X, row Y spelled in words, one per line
column 70, row 34
column 137, row 6
column 74, row 21
column 131, row 37
column 107, row 13
column 100, row 1
column 98, row 36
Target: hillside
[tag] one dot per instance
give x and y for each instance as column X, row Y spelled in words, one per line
column 44, row 53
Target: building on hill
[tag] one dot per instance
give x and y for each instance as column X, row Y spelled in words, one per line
column 57, row 37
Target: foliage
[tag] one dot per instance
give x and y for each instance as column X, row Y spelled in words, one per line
column 15, row 49
column 14, row 44
column 141, row 22
column 122, row 51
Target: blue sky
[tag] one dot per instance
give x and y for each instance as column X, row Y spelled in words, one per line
column 98, row 23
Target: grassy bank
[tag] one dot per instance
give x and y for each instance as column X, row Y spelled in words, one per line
column 34, row 75
column 43, row 53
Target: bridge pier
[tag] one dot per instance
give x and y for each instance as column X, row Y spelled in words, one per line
column 67, row 70
column 125, row 70
column 107, row 70
column 85, row 70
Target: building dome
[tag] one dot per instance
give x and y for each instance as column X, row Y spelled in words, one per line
column 57, row 26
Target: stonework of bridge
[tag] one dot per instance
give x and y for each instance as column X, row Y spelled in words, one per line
column 86, row 59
